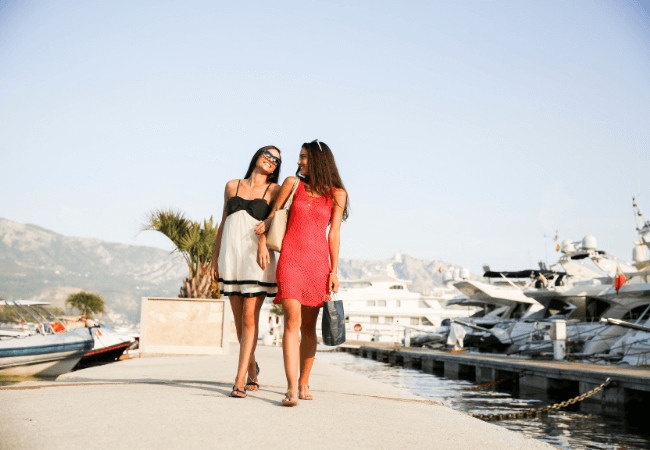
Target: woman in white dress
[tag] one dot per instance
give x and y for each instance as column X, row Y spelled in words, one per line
column 244, row 268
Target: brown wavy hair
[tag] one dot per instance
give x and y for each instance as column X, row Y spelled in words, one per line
column 323, row 173
column 272, row 178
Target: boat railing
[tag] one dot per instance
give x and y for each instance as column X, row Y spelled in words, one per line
column 36, row 318
column 46, row 313
column 16, row 307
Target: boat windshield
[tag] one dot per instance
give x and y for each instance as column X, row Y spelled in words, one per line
column 103, row 325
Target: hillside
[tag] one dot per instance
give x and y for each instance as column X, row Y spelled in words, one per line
column 36, row 263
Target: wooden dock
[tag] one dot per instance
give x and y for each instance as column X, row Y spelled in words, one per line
column 532, row 378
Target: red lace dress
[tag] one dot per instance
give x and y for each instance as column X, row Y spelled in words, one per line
column 304, row 266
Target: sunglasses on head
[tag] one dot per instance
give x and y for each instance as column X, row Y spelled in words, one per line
column 271, row 157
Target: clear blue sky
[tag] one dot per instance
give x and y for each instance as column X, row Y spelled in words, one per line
column 464, row 131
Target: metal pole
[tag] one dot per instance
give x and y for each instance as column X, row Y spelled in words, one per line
column 558, row 334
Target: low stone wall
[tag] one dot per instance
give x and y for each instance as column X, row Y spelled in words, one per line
column 187, row 326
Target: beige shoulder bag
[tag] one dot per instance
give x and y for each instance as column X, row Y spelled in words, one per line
column 278, row 227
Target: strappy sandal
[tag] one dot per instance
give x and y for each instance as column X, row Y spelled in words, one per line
column 252, row 383
column 236, row 392
column 288, row 400
column 302, row 397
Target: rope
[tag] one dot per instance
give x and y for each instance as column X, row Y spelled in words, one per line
column 494, row 383
column 545, row 410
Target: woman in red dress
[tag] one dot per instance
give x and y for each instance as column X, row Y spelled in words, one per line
column 307, row 269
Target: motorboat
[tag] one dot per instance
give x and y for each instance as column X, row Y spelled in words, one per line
column 108, row 344
column 40, row 344
column 578, row 289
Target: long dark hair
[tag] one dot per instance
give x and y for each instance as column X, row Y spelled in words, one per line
column 323, row 173
column 275, row 176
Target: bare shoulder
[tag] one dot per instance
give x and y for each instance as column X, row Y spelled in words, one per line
column 289, row 181
column 340, row 194
column 274, row 189
column 231, row 186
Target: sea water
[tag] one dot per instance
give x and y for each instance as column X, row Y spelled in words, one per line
column 571, row 429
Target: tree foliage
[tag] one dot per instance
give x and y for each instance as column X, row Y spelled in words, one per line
column 87, row 303
column 194, row 241
column 277, row 309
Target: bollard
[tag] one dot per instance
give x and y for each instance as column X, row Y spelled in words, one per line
column 407, row 337
column 558, row 336
column 376, row 335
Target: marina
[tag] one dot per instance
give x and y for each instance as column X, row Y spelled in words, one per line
column 183, row 402
column 574, row 428
column 537, row 378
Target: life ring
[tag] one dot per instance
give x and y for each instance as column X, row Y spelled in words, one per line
column 357, row 327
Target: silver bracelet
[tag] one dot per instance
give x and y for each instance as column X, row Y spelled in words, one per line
column 334, row 274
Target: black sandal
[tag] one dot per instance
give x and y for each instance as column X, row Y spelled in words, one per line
column 252, row 383
column 239, row 391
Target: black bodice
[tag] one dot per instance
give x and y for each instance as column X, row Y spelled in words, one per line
column 257, row 208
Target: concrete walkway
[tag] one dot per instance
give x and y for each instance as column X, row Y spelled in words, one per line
column 183, row 402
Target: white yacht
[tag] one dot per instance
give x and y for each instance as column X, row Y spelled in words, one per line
column 382, row 309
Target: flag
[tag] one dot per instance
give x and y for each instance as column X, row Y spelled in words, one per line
column 619, row 280
column 558, row 247
column 441, row 269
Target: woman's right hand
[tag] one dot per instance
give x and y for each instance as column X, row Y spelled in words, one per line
column 214, row 272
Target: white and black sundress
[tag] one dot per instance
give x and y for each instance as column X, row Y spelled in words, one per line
column 239, row 273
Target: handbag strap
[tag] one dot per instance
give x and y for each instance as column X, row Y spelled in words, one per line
column 287, row 205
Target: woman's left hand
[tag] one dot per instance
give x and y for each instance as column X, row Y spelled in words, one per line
column 263, row 257
column 263, row 226
column 334, row 283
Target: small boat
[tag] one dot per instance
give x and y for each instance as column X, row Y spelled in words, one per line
column 108, row 345
column 41, row 345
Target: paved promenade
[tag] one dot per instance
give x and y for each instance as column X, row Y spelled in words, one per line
column 183, row 402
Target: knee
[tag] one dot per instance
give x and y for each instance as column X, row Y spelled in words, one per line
column 292, row 324
column 308, row 329
column 249, row 321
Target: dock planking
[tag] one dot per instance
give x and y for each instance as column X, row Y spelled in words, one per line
column 629, row 384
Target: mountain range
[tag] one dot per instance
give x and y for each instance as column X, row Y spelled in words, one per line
column 39, row 264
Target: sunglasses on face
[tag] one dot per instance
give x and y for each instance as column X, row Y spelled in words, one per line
column 271, row 157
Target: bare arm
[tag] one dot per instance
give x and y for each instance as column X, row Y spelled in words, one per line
column 214, row 270
column 280, row 194
column 264, row 225
column 334, row 237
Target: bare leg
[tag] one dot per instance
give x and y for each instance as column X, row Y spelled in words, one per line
column 237, row 305
column 291, row 344
column 248, row 337
column 307, row 348
column 252, row 366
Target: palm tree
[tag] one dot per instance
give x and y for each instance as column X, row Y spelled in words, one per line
column 194, row 242
column 86, row 302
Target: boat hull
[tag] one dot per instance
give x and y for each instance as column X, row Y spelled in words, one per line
column 49, row 355
column 106, row 354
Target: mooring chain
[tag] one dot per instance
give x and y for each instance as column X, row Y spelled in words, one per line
column 535, row 412
column 494, row 383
